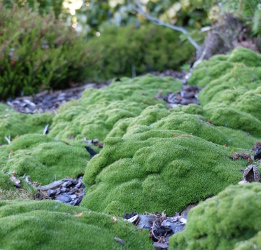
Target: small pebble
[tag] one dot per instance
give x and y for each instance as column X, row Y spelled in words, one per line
column 51, row 193
column 67, row 184
column 64, row 198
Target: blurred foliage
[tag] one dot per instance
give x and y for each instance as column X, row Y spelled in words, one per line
column 126, row 51
column 185, row 13
column 44, row 6
column 249, row 10
column 38, row 52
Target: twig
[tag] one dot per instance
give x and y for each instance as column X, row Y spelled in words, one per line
column 196, row 63
column 8, row 139
column 156, row 21
column 45, row 129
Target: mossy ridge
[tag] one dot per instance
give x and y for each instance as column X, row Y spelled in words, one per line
column 220, row 65
column 95, row 121
column 227, row 77
column 42, row 157
column 234, row 83
column 16, row 124
column 94, row 115
column 163, row 159
column 54, row 225
column 230, row 220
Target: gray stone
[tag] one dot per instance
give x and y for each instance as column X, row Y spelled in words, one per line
column 64, row 198
column 51, row 193
column 67, row 184
column 73, row 196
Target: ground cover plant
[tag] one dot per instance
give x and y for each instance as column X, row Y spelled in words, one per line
column 53, row 225
column 231, row 220
column 173, row 156
column 14, row 124
column 61, row 153
column 153, row 158
column 94, row 115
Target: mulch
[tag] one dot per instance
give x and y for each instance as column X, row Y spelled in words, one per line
column 49, row 100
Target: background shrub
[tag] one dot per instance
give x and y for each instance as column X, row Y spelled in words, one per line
column 38, row 52
column 148, row 48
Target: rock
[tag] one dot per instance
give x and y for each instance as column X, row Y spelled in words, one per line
column 251, row 173
column 51, row 193
column 64, row 198
column 74, row 182
column 257, row 155
column 73, row 196
column 146, row 221
column 75, row 202
column 63, row 190
column 67, row 184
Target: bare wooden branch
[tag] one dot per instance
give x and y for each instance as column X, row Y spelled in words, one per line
column 8, row 139
column 45, row 129
column 138, row 8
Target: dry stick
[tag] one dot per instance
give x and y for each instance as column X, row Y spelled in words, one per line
column 8, row 139
column 174, row 27
column 156, row 21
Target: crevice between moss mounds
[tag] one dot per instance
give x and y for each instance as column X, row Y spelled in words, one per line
column 167, row 159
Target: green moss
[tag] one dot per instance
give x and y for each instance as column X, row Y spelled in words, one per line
column 16, row 124
column 41, row 158
column 153, row 159
column 162, row 160
column 224, row 115
column 5, row 182
column 231, row 220
column 242, row 64
column 94, row 115
column 53, row 225
column 236, row 82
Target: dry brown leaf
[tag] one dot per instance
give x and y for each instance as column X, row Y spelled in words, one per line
column 78, row 215
column 10, row 154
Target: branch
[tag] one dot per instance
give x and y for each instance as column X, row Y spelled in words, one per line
column 8, row 139
column 156, row 21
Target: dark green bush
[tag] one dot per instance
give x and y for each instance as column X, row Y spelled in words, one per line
column 38, row 52
column 44, row 6
column 148, row 48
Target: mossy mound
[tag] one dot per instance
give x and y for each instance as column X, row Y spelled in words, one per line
column 53, row 225
column 232, row 93
column 42, row 158
column 226, row 78
column 167, row 159
column 16, row 124
column 163, row 160
column 94, row 115
column 221, row 65
column 231, row 220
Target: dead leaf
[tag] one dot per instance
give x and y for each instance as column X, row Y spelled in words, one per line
column 10, row 154
column 15, row 138
column 78, row 215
